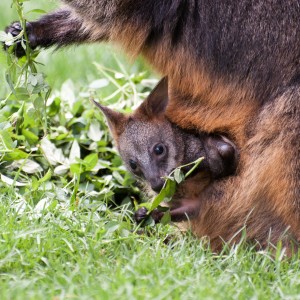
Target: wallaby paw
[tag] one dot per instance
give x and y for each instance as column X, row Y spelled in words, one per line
column 15, row 29
column 141, row 214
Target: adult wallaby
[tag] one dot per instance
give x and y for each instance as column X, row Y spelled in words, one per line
column 233, row 68
column 151, row 147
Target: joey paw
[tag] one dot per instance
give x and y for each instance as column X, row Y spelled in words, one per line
column 141, row 214
column 222, row 156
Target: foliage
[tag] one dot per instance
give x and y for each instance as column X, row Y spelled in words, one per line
column 56, row 146
column 176, row 177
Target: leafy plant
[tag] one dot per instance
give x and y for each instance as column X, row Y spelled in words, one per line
column 55, row 146
column 57, row 242
column 57, row 141
column 176, row 177
column 166, row 194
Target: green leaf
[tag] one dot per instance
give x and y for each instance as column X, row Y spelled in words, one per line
column 99, row 83
column 3, row 36
column 6, row 142
column 95, row 133
column 165, row 194
column 22, row 93
column 54, row 107
column 30, row 137
column 91, row 161
column 118, row 177
column 34, row 183
column 38, row 11
column 74, row 152
column 158, row 199
column 29, row 166
column 170, row 189
column 53, row 154
column 9, row 80
column 61, row 170
column 30, row 118
column 178, row 175
column 47, row 177
column 11, row 182
column 39, row 103
column 32, row 79
column 16, row 154
column 166, row 219
column 77, row 169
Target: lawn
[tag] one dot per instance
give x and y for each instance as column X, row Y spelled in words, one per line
column 66, row 201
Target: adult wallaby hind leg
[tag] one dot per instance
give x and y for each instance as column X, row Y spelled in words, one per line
column 265, row 197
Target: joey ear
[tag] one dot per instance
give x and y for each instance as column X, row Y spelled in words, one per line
column 156, row 103
column 116, row 120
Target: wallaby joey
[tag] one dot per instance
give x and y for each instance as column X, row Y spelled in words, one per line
column 151, row 147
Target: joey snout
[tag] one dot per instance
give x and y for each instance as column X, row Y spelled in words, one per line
column 156, row 183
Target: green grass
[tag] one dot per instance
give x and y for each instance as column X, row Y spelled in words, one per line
column 70, row 234
column 75, row 256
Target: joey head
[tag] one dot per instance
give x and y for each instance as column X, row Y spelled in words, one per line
column 152, row 147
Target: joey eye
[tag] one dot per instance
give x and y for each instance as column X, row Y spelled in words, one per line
column 159, row 149
column 133, row 164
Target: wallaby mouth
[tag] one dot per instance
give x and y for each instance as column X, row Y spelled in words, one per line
column 157, row 184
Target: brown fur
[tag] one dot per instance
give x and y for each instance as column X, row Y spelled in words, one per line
column 266, row 198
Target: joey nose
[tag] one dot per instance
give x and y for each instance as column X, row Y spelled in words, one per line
column 156, row 184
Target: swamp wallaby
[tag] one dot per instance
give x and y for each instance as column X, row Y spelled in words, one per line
column 233, row 68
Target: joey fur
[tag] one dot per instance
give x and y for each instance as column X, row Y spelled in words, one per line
column 152, row 147
column 233, row 68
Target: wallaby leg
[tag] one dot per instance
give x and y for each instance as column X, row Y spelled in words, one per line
column 182, row 210
column 272, row 171
column 265, row 195
column 187, row 209
column 60, row 28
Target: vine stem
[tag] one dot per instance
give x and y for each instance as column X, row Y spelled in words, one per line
column 29, row 66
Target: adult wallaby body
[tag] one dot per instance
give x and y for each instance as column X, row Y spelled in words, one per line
column 233, row 68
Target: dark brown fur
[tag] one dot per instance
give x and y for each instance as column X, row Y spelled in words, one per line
column 233, row 67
